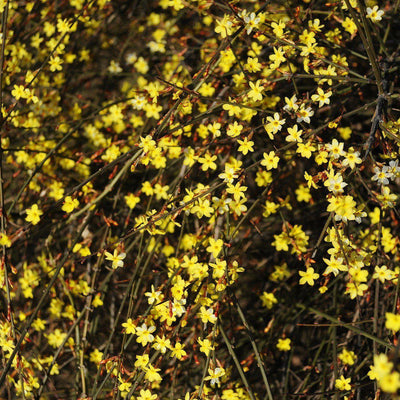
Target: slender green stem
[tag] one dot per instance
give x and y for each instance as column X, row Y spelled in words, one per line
column 237, row 362
column 347, row 326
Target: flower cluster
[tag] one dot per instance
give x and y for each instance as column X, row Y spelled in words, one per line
column 199, row 199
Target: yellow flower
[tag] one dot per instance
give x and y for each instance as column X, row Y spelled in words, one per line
column 39, row 324
column 205, row 346
column 97, row 301
column 392, row 321
column 224, row 27
column 255, row 93
column 70, row 204
column 56, row 337
column 55, row 63
column 343, row 383
column 115, row 258
column 308, row 276
column 152, row 374
column 162, row 344
column 177, row 351
column 124, row 386
column 268, row 300
column 96, row 356
column 310, row 180
column 214, row 375
column 303, row 194
column 278, row 28
column 352, row 158
column 270, row 160
column 347, row 357
column 374, row 13
column 145, row 394
column 236, row 190
column 349, row 26
column 273, row 125
column 207, row 315
column 277, row 58
column 18, row 92
column 33, row 214
column 294, row 134
column 215, row 246
column 344, row 208
column 202, row 208
column 145, row 334
column 390, row 383
column 354, row 289
column 234, row 129
column 383, row 274
column 142, row 361
column 305, row 149
column 208, row 161
column 245, row 146
column 382, row 367
column 283, row 344
column 155, row 296
column 130, row 326
column 322, row 97
column 334, row 265
column 5, row 240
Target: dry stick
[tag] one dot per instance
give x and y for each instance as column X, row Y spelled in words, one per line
column 260, row 363
column 108, row 343
column 207, row 363
column 396, row 296
column 107, row 377
column 286, row 378
column 237, row 362
column 368, row 36
column 58, row 351
column 261, row 197
column 94, row 389
column 43, row 298
column 346, row 325
column 312, row 366
column 390, row 134
column 88, row 309
column 3, row 46
column 332, row 77
column 375, row 322
column 377, row 119
column 132, row 296
column 367, row 44
column 107, row 189
column 369, row 47
column 385, row 36
column 321, row 236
